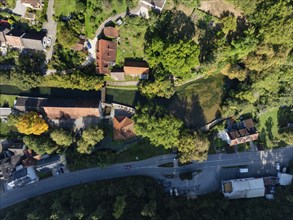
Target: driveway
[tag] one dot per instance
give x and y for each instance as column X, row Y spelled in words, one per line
column 19, row 9
column 51, row 27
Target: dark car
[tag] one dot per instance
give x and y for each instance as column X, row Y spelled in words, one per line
column 61, row 170
column 89, row 45
column 127, row 166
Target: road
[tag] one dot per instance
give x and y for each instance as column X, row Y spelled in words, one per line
column 208, row 180
column 51, row 27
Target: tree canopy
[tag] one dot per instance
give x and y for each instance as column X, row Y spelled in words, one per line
column 193, row 147
column 90, row 137
column 40, row 144
column 61, row 137
column 31, row 123
column 162, row 129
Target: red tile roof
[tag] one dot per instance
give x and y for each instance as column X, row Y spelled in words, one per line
column 123, row 128
column 136, row 67
column 111, row 32
column 106, row 55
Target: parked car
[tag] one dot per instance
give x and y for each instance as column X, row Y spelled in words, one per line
column 278, row 166
column 61, row 170
column 89, row 45
column 171, row 192
column 176, row 192
column 57, row 172
column 49, row 40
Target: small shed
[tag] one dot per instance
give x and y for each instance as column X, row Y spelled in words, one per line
column 285, row 179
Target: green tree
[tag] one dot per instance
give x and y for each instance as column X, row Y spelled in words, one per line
column 31, row 123
column 193, row 147
column 40, row 144
column 61, row 137
column 149, row 209
column 287, row 135
column 162, row 129
column 119, row 206
column 90, row 137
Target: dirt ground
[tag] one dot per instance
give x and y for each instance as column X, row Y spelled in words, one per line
column 217, row 7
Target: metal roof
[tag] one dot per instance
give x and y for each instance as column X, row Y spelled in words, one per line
column 245, row 188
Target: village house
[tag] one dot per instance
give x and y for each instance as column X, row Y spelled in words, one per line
column 22, row 177
column 77, row 113
column 111, row 32
column 24, row 103
column 13, row 38
column 34, row 41
column 123, row 128
column 136, row 69
column 34, row 4
column 106, row 55
column 241, row 132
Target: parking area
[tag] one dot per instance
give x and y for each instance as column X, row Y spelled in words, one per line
column 19, row 9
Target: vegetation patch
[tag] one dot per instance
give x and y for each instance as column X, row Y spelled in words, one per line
column 268, row 128
column 198, row 102
column 131, row 39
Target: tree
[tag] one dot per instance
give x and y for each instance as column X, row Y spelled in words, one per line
column 287, row 135
column 61, row 137
column 162, row 129
column 193, row 147
column 89, row 139
column 149, row 209
column 31, row 123
column 119, row 206
column 161, row 86
column 40, row 144
column 169, row 43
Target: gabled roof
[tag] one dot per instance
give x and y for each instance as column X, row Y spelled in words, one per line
column 106, row 54
column 52, row 159
column 111, row 32
column 71, row 108
column 33, row 3
column 123, row 128
column 7, row 165
column 136, row 67
column 24, row 103
column 33, row 41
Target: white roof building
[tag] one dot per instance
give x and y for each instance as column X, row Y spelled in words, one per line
column 285, row 179
column 243, row 188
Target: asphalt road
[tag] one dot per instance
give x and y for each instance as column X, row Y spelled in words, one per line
column 208, row 180
column 51, row 27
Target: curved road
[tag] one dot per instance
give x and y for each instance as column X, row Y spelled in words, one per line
column 259, row 163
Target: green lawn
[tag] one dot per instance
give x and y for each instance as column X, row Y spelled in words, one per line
column 198, row 102
column 268, row 128
column 64, row 7
column 9, row 98
column 131, row 42
column 122, row 96
column 142, row 149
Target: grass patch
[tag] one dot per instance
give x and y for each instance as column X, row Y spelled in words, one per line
column 198, row 102
column 64, row 7
column 7, row 99
column 123, row 96
column 131, row 42
column 268, row 128
column 142, row 150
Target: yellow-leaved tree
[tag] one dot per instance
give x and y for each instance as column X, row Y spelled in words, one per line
column 31, row 123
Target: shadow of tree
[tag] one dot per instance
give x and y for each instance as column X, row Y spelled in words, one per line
column 188, row 109
column 269, row 124
column 263, row 137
